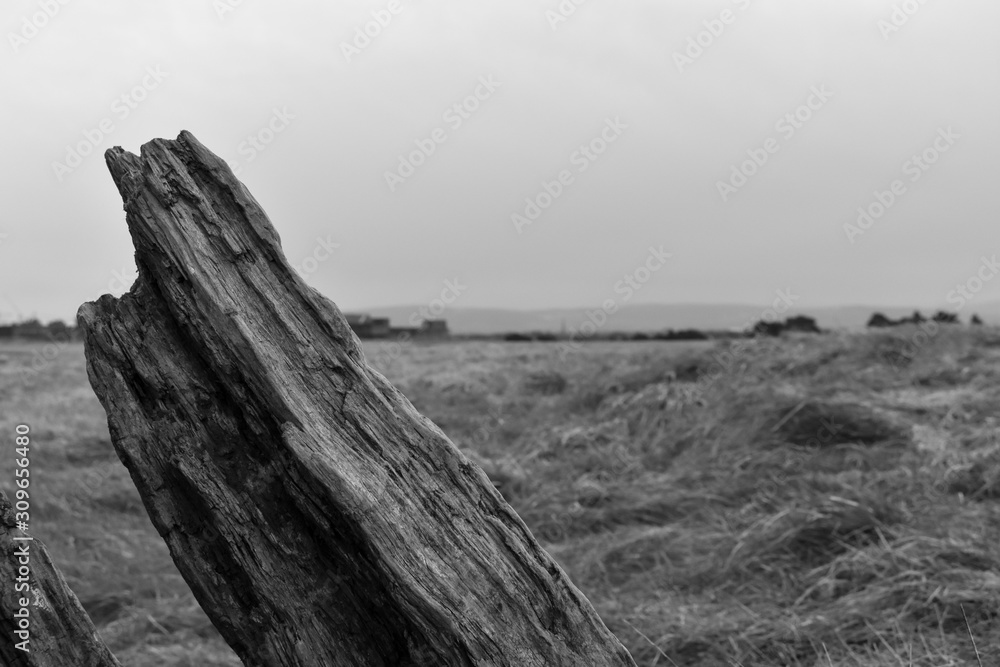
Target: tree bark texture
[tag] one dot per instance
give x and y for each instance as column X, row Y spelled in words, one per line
column 317, row 516
column 59, row 632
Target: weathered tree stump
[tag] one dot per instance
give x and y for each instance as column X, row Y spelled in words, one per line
column 318, row 518
column 57, row 631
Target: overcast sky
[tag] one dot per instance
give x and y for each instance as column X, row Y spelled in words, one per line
column 314, row 115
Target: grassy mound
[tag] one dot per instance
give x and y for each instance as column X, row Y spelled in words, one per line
column 813, row 501
column 822, row 501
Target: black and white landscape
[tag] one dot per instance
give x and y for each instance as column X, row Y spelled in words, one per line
column 705, row 289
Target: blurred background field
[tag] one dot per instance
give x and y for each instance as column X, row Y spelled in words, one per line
column 806, row 500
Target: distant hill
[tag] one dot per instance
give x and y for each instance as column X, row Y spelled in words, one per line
column 653, row 317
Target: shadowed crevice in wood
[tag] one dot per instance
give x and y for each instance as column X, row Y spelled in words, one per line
column 318, row 518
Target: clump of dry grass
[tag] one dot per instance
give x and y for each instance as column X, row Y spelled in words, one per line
column 977, row 478
column 813, row 530
column 545, row 382
column 812, row 423
column 775, row 509
column 890, row 349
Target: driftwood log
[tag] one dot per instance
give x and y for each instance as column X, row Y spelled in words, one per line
column 57, row 631
column 317, row 516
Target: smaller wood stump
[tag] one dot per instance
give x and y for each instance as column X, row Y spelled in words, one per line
column 60, row 633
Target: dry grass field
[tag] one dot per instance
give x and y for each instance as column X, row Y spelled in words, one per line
column 817, row 501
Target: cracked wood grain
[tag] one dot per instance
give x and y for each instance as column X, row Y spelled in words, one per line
column 317, row 516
